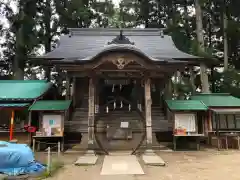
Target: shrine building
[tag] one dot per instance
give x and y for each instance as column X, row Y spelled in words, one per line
column 118, row 81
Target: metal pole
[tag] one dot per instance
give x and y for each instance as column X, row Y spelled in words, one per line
column 49, row 160
column 11, row 126
column 59, row 148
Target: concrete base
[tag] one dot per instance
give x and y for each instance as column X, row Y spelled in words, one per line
column 152, row 159
column 120, row 153
column 90, row 153
column 86, row 160
column 121, row 165
column 3, row 176
column 84, row 142
column 149, row 152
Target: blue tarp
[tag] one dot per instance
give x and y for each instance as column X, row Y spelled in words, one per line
column 17, row 159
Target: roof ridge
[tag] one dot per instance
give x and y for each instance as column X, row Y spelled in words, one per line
column 23, row 81
column 213, row 94
column 116, row 31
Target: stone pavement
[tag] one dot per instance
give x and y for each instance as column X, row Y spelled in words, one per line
column 199, row 165
column 122, row 164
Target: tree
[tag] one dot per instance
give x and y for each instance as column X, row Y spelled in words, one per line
column 200, row 38
column 225, row 37
column 49, row 29
column 20, row 37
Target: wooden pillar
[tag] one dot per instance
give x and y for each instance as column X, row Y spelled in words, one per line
column 91, row 114
column 74, row 91
column 168, row 96
column 67, row 96
column 139, row 95
column 29, row 124
column 67, row 86
column 96, row 96
column 168, row 90
column 148, row 112
column 161, row 99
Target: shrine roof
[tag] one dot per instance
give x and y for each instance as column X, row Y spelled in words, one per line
column 217, row 99
column 50, row 105
column 86, row 43
column 186, row 105
column 22, row 90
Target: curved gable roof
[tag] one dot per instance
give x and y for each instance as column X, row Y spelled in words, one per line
column 84, row 44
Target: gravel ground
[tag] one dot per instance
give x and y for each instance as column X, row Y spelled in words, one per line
column 202, row 165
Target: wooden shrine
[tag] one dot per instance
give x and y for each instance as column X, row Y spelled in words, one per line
column 114, row 76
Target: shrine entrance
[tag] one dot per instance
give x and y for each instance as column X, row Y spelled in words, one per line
column 118, row 93
column 120, row 122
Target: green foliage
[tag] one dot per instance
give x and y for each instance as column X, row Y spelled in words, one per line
column 228, row 82
column 196, row 50
column 39, row 23
column 20, row 37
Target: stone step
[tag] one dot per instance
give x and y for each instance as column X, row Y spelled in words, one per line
column 159, row 117
column 124, row 113
column 120, row 116
column 81, row 111
column 118, row 126
column 80, row 116
column 112, row 120
column 157, row 114
column 78, row 123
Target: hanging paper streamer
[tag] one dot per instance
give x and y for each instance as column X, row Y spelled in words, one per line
column 120, row 87
column 113, row 87
column 153, row 88
column 129, row 107
column 114, row 105
column 140, row 107
column 107, row 110
column 121, row 105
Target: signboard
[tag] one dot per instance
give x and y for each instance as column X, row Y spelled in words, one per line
column 53, row 121
column 124, row 124
column 185, row 121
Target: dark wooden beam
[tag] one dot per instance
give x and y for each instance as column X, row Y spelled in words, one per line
column 126, row 74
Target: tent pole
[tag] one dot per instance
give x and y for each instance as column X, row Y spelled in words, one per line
column 11, row 125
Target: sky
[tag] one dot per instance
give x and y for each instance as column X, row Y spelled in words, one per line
column 116, row 2
column 2, row 20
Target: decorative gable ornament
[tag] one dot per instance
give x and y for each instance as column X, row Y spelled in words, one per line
column 121, row 39
column 121, row 62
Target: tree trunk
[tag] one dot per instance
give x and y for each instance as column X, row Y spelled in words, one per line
column 192, row 79
column 225, row 22
column 177, row 81
column 187, row 29
column 18, row 70
column 186, row 17
column 48, row 40
column 168, row 90
column 200, row 37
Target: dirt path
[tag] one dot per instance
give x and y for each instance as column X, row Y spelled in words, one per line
column 202, row 165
